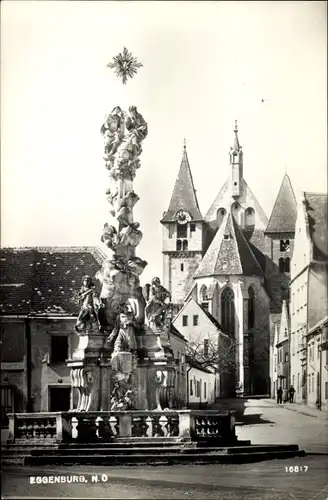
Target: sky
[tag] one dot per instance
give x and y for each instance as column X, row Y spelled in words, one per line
column 205, row 65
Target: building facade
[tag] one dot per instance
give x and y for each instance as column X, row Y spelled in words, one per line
column 309, row 299
column 234, row 262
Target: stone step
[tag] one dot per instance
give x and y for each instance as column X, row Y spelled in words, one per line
column 164, row 459
column 115, row 450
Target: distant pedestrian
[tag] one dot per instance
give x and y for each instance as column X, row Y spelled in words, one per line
column 291, row 394
column 279, row 395
column 285, row 395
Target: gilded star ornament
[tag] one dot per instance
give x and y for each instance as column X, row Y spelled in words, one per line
column 125, row 65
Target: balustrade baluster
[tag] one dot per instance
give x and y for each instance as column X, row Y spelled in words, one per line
column 173, row 425
column 163, row 423
column 157, row 428
column 143, row 426
column 136, row 427
column 29, row 430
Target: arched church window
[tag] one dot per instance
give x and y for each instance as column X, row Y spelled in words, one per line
column 236, row 211
column 228, row 311
column 220, row 214
column 251, row 307
column 281, row 265
column 179, row 245
column 250, row 217
column 204, row 297
column 287, row 265
column 185, row 245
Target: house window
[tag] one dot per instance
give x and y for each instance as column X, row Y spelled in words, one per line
column 7, row 404
column 312, row 382
column 249, row 217
column 326, row 390
column 206, row 343
column 179, row 245
column 191, row 392
column 192, row 227
column 195, row 320
column 251, row 307
column 284, row 245
column 181, row 266
column 286, row 357
column 309, row 383
column 171, row 230
column 204, row 390
column 185, row 245
column 298, row 383
column 198, row 389
column 182, row 230
column 184, row 320
column 59, row 348
column 228, row 311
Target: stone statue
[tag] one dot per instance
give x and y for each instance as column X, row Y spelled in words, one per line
column 112, row 130
column 122, row 338
column 110, row 236
column 157, row 304
column 90, row 303
column 130, row 235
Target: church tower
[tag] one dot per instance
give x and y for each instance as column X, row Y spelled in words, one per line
column 281, row 226
column 183, row 235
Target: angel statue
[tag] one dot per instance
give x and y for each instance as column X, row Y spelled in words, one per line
column 158, row 303
column 90, row 305
column 112, row 131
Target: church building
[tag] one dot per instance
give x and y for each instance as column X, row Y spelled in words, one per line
column 234, row 263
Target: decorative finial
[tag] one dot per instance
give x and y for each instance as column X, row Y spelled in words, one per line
column 184, row 144
column 125, row 65
column 236, row 126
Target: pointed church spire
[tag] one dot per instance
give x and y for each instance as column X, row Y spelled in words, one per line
column 236, row 146
column 184, row 193
column 283, row 216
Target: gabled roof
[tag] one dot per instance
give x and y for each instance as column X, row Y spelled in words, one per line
column 283, row 216
column 45, row 280
column 206, row 313
column 184, row 194
column 229, row 253
column 316, row 209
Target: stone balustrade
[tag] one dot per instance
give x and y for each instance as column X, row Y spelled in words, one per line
column 88, row 427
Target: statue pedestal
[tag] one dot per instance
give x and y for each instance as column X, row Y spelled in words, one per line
column 90, row 372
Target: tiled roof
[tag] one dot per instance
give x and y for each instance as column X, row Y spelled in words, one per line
column 316, row 208
column 283, row 216
column 45, row 280
column 184, row 194
column 229, row 253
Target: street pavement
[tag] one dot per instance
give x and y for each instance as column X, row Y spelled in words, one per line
column 257, row 481
column 265, row 422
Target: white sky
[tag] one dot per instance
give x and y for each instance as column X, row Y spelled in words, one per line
column 205, row 65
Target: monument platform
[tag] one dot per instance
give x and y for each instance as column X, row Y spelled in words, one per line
column 132, row 437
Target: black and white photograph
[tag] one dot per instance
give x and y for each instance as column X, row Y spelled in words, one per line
column 164, row 250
